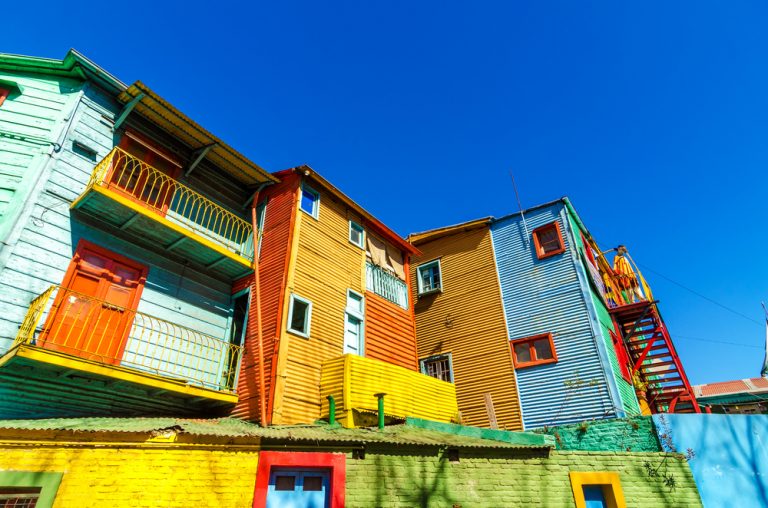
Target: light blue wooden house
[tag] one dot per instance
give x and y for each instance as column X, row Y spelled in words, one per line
column 127, row 248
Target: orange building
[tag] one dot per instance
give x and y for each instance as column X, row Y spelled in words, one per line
column 333, row 282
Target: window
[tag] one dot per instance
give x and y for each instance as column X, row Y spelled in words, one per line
column 597, row 490
column 310, row 201
column 4, row 92
column 536, row 350
column 28, row 489
column 354, row 329
column 356, row 234
column 19, row 497
column 429, row 278
column 299, row 316
column 261, row 213
column 300, row 479
column 438, row 367
column 548, row 241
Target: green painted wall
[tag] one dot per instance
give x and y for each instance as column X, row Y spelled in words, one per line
column 399, row 477
column 636, row 434
column 626, row 390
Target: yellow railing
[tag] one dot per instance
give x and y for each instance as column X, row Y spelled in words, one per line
column 80, row 325
column 160, row 193
column 354, row 381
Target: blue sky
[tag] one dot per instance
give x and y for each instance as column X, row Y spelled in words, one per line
column 652, row 117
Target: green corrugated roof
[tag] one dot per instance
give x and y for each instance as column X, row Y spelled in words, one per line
column 413, row 433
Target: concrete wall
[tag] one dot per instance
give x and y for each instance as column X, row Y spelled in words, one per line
column 730, row 464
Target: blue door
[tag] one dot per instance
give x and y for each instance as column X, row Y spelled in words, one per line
column 298, row 488
column 594, row 497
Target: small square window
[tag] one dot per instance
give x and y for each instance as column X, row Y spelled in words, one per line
column 287, row 482
column 356, row 234
column 429, row 277
column 536, row 350
column 548, row 241
column 438, row 367
column 597, row 489
column 310, row 201
column 4, row 93
column 299, row 316
column 313, row 483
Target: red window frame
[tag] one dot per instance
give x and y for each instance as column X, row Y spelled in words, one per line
column 588, row 250
column 541, row 229
column 4, row 93
column 336, row 463
column 531, row 340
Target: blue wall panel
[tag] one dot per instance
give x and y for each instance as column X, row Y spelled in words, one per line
column 730, row 464
column 543, row 296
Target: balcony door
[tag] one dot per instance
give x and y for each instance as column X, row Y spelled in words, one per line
column 93, row 311
column 146, row 174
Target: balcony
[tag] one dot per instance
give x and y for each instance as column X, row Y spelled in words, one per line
column 157, row 210
column 77, row 355
column 386, row 285
column 354, row 382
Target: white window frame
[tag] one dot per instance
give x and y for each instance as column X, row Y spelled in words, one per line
column 442, row 356
column 316, row 208
column 357, row 314
column 300, row 333
column 419, row 284
column 355, row 226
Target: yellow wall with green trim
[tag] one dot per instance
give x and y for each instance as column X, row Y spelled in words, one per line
column 140, row 476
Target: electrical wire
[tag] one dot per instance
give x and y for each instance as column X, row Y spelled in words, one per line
column 710, row 300
column 715, row 341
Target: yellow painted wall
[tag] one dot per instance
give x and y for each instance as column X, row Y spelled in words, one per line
column 140, row 476
column 354, row 381
column 324, row 267
column 467, row 320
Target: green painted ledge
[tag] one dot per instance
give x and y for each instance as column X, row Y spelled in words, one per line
column 523, row 439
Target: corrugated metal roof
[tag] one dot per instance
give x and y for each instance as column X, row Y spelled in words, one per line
column 408, row 434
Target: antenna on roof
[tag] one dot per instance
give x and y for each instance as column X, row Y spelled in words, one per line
column 517, row 195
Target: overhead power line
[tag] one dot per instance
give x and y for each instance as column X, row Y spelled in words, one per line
column 714, row 341
column 710, row 300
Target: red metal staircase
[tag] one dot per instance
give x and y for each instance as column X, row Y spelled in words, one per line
column 653, row 356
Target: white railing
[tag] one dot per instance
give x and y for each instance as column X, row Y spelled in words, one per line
column 386, row 285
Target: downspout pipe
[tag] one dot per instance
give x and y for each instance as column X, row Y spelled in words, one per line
column 380, row 396
column 257, row 293
column 331, row 410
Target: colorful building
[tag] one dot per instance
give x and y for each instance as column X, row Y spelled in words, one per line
column 127, row 275
column 537, row 328
column 148, row 462
column 740, row 396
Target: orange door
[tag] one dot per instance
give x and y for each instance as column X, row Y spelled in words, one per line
column 147, row 176
column 94, row 309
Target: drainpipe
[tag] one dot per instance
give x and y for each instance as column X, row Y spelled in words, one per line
column 257, row 291
column 331, row 410
column 380, row 396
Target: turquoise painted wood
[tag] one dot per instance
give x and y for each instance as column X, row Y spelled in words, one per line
column 53, row 131
column 550, row 296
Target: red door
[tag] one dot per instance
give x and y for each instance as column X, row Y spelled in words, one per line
column 95, row 307
column 134, row 177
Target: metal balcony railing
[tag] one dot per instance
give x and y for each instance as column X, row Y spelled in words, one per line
column 618, row 288
column 386, row 285
column 86, row 327
column 157, row 191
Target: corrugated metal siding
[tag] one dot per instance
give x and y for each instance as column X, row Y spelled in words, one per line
column 543, row 296
column 626, row 391
column 272, row 277
column 389, row 332
column 408, row 393
column 327, row 265
column 467, row 320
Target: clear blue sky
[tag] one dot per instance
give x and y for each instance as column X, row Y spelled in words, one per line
column 652, row 117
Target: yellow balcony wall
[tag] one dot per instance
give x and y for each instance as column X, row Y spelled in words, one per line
column 354, row 382
column 159, row 211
